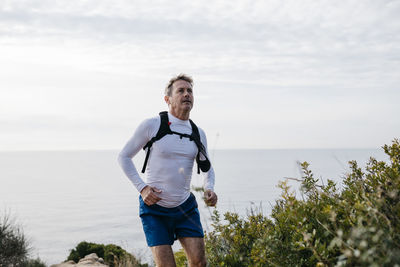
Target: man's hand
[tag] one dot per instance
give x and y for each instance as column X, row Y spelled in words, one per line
column 210, row 198
column 149, row 195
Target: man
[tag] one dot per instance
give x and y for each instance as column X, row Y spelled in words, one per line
column 167, row 208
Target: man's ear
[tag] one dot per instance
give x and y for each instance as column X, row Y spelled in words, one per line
column 166, row 98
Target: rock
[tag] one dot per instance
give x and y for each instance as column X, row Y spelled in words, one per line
column 64, row 264
column 91, row 260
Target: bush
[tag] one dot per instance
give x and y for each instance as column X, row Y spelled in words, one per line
column 14, row 247
column 33, row 263
column 113, row 255
column 180, row 258
column 356, row 226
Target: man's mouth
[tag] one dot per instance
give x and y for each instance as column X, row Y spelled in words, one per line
column 187, row 101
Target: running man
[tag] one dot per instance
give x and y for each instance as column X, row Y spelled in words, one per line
column 168, row 209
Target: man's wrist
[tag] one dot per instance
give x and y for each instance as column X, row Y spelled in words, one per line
column 141, row 190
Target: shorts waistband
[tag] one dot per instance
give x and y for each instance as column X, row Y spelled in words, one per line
column 155, row 209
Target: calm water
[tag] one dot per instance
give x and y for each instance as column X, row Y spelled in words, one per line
column 62, row 198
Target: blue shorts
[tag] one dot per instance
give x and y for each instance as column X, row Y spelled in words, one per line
column 162, row 226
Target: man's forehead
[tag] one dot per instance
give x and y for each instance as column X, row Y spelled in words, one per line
column 181, row 84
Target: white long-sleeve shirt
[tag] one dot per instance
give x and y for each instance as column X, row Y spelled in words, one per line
column 171, row 160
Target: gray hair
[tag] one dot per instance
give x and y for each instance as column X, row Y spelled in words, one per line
column 182, row 76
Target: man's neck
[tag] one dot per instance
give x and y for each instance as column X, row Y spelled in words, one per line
column 182, row 115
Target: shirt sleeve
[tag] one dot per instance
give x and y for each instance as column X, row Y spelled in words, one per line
column 139, row 139
column 209, row 177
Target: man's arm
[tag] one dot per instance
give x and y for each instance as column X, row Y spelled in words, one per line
column 142, row 135
column 210, row 197
column 134, row 145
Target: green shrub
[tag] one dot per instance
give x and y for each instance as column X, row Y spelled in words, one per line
column 33, row 263
column 84, row 248
column 356, row 226
column 112, row 254
column 180, row 258
column 129, row 261
column 14, row 247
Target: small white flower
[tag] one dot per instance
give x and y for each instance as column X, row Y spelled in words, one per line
column 363, row 244
column 340, row 232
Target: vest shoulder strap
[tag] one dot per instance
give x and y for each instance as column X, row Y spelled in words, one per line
column 162, row 131
column 164, row 126
column 195, row 136
column 205, row 164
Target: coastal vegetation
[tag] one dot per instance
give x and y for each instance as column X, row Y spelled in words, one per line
column 356, row 225
column 113, row 255
column 14, row 246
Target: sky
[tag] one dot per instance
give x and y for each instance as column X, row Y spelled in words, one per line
column 271, row 74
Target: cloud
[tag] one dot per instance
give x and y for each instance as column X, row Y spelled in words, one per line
column 314, row 57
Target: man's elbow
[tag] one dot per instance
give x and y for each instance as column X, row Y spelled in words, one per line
column 121, row 157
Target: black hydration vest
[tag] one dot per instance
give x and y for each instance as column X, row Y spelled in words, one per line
column 203, row 165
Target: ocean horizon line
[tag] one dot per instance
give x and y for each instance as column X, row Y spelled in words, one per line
column 218, row 149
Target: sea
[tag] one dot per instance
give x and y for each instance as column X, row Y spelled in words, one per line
column 60, row 198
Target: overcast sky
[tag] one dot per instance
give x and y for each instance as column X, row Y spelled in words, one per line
column 268, row 74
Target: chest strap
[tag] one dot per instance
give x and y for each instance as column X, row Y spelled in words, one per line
column 164, row 129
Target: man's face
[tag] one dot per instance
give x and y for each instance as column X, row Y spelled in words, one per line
column 181, row 98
